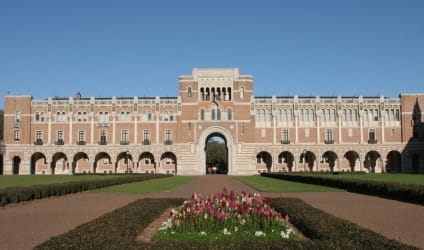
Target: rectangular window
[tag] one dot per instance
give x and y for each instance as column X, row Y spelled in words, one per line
column 124, row 137
column 104, row 117
column 60, row 116
column 146, row 134
column 393, row 132
column 350, row 132
column 60, row 135
column 38, row 135
column 81, row 136
column 371, row 136
column 125, row 116
column 306, row 132
column 285, row 136
column 82, row 116
column 168, row 135
column 102, row 137
column 329, row 136
column 17, row 135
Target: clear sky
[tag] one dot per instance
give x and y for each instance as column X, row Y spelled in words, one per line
column 128, row 48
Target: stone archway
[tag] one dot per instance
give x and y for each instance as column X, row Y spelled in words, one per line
column 16, row 165
column 216, row 152
column 226, row 136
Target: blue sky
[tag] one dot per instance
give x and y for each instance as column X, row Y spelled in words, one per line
column 139, row 48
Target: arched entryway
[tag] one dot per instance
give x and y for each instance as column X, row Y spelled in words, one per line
column 371, row 161
column 81, row 163
column 59, row 164
column 102, row 163
column 329, row 159
column 352, row 158
column 124, row 163
column 168, row 163
column 226, row 136
column 307, row 159
column 263, row 162
column 285, row 160
column 393, row 164
column 16, row 161
column 146, row 163
column 216, row 152
column 38, row 163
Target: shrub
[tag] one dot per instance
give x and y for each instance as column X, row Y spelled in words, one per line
column 18, row 194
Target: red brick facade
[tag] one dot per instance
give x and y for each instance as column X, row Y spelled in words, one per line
column 114, row 135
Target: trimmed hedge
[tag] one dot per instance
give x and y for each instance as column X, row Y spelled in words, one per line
column 119, row 229
column 18, row 194
column 395, row 191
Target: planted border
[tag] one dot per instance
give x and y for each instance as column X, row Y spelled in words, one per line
column 19, row 194
column 119, row 229
column 395, row 191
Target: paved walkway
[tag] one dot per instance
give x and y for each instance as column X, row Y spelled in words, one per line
column 24, row 226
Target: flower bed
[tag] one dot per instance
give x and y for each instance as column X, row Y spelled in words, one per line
column 225, row 215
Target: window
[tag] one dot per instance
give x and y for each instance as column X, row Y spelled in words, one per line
column 230, row 114
column 39, row 116
column 82, row 116
column 17, row 135
column 60, row 135
column 202, row 114
column 102, row 137
column 38, row 135
column 168, row 135
column 81, row 136
column 165, row 116
column 376, row 115
column 125, row 116
column 371, row 135
column 350, row 132
column 149, row 116
column 17, row 116
column 241, row 93
column 329, row 136
column 189, row 92
column 146, row 134
column 124, row 137
column 218, row 114
column 60, row 116
column 285, row 136
column 397, row 115
column 144, row 116
column 171, row 115
column 213, row 116
column 104, row 117
column 306, row 132
column 393, row 131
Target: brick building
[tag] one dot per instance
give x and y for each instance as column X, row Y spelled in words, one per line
column 171, row 135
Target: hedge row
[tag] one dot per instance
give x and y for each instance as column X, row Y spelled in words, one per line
column 119, row 229
column 19, row 194
column 389, row 190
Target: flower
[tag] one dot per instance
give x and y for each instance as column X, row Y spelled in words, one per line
column 259, row 233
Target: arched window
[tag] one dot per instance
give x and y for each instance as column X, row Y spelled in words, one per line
column 218, row 114
column 258, row 115
column 202, row 114
column 144, row 116
column 202, row 92
column 165, row 116
column 17, row 116
column 241, row 92
column 228, row 94
column 171, row 115
column 230, row 114
column 213, row 117
column 189, row 92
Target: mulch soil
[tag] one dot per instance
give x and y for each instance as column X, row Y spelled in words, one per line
column 26, row 225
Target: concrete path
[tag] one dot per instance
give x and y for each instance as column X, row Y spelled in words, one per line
column 24, row 226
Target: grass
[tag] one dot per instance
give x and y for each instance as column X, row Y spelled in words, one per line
column 265, row 184
column 32, row 180
column 414, row 179
column 151, row 186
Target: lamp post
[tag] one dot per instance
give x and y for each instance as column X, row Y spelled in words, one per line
column 304, row 160
column 127, row 154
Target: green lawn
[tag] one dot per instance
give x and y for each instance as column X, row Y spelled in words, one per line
column 31, row 180
column 415, row 179
column 265, row 184
column 151, row 186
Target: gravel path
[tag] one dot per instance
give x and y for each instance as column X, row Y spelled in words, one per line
column 24, row 226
